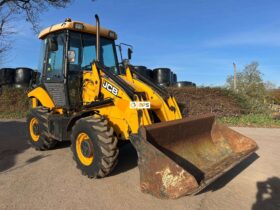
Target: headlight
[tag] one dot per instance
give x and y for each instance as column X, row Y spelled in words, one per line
column 78, row 26
column 112, row 35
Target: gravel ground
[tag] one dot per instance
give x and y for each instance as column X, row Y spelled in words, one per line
column 49, row 180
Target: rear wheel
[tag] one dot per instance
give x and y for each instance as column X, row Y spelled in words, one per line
column 38, row 130
column 94, row 146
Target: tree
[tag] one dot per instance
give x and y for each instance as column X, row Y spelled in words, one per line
column 5, row 30
column 29, row 10
column 249, row 81
column 250, row 85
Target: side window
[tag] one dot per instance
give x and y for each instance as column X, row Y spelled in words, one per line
column 55, row 61
column 89, row 50
column 89, row 54
column 42, row 56
column 107, row 53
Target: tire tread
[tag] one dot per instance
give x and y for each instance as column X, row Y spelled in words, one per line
column 106, row 141
column 42, row 115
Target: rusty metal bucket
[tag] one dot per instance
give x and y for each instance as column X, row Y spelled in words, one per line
column 182, row 157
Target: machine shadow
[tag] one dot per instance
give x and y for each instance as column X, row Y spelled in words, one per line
column 12, row 142
column 268, row 195
column 127, row 159
column 36, row 158
column 62, row 145
column 229, row 175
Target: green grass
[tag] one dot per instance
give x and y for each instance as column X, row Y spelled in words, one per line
column 251, row 120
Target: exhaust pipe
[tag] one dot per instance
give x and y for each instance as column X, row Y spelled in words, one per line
column 97, row 38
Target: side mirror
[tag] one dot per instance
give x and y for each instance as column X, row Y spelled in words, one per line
column 129, row 53
column 52, row 44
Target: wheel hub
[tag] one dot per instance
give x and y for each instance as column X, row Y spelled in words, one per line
column 36, row 129
column 86, row 148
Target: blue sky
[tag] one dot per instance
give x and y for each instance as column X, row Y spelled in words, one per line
column 198, row 39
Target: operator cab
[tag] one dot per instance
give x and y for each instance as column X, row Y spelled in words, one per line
column 68, row 50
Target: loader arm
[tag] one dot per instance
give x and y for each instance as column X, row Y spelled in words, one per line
column 162, row 103
column 101, row 84
column 123, row 90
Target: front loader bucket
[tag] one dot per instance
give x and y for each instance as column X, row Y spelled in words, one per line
column 182, row 157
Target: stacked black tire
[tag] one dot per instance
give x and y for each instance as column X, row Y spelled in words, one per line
column 173, row 78
column 23, row 77
column 182, row 84
column 16, row 77
column 144, row 71
column 164, row 77
column 7, row 76
column 160, row 76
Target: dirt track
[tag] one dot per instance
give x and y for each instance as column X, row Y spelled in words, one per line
column 49, row 180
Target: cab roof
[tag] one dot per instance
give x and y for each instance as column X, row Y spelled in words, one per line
column 77, row 26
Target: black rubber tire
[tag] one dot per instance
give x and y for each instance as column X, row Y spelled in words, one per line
column 162, row 76
column 103, row 141
column 182, row 84
column 22, row 77
column 7, row 76
column 44, row 142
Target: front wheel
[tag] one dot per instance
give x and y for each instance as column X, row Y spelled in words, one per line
column 94, row 146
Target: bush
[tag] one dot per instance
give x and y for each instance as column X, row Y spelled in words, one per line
column 14, row 102
column 251, row 87
column 273, row 96
column 203, row 100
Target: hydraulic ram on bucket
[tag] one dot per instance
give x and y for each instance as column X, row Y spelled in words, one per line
column 182, row 157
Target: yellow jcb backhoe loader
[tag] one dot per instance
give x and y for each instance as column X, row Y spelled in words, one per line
column 84, row 99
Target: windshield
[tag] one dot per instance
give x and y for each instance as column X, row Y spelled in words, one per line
column 83, row 49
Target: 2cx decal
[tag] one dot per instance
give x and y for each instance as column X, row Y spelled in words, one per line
column 110, row 88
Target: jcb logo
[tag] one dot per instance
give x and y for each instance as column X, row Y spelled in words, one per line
column 110, row 88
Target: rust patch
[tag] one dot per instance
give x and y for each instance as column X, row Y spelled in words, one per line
column 169, row 179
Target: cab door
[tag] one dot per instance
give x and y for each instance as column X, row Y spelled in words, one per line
column 53, row 76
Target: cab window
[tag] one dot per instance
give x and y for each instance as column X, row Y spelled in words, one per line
column 55, row 57
column 82, row 50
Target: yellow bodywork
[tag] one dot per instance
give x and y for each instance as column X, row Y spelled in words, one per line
column 121, row 116
column 39, row 94
column 87, row 28
column 123, row 119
